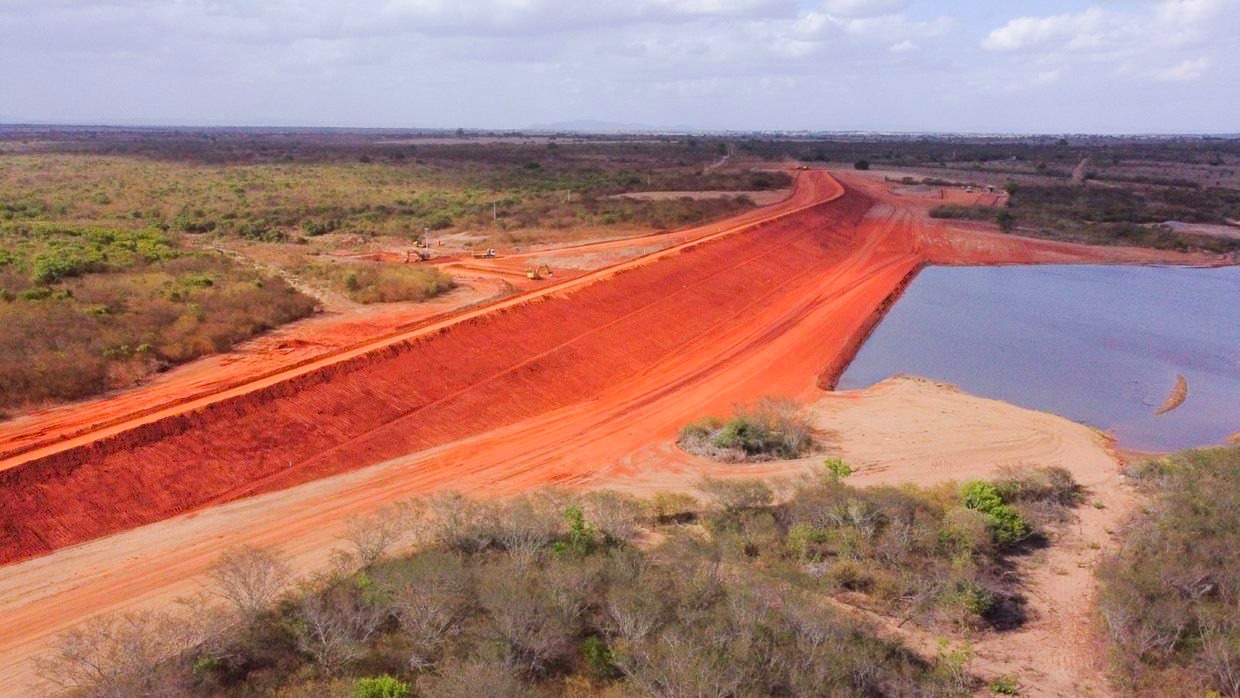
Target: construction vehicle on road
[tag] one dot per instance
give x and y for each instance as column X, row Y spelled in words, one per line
column 489, row 254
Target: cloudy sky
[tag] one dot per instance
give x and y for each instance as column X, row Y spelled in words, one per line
column 909, row 65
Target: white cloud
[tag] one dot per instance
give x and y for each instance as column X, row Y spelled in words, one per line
column 1184, row 72
column 864, row 8
column 903, row 47
column 1074, row 29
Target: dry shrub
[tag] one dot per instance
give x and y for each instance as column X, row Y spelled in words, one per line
column 735, row 495
column 136, row 653
column 673, row 506
column 333, row 625
column 771, row 428
column 250, row 578
column 431, row 595
column 373, row 536
column 474, row 678
column 1169, row 596
column 616, row 515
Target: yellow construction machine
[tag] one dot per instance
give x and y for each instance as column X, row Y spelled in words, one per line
column 540, row 272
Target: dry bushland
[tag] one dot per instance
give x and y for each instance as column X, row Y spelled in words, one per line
column 1170, row 598
column 548, row 590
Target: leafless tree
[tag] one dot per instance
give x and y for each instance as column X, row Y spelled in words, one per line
column 432, row 596
column 676, row 665
column 129, row 654
column 250, row 578
column 527, row 524
column 334, row 625
column 525, row 619
column 458, row 522
column 472, row 679
column 618, row 516
column 374, row 536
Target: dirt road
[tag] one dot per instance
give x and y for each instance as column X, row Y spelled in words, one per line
column 578, row 383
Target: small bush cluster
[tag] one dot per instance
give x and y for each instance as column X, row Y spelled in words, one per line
column 772, row 428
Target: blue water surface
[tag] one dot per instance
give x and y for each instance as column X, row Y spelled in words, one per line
column 1098, row 344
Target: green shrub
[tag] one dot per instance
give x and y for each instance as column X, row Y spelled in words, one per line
column 1006, row 524
column 837, row 469
column 599, row 657
column 381, row 687
column 1005, row 686
column 861, row 165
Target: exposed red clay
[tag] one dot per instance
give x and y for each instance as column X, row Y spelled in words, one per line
column 812, row 274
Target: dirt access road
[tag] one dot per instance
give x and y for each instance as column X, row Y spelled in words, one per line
column 571, row 385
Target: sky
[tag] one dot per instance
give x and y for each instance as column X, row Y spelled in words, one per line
column 1052, row 66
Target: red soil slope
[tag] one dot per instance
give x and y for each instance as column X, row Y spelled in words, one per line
column 490, row 369
column 811, row 278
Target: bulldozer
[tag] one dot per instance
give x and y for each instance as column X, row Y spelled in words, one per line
column 416, row 256
column 542, row 271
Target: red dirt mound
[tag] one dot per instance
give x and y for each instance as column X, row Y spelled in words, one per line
column 481, row 373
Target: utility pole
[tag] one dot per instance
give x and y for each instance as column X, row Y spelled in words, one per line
column 494, row 212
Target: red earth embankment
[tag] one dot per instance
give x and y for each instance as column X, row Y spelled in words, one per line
column 481, row 373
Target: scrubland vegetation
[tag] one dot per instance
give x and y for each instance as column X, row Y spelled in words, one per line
column 1170, row 597
column 298, row 193
column 770, row 428
column 1111, row 215
column 88, row 308
column 379, row 283
column 745, row 593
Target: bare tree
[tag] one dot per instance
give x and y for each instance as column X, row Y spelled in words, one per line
column 618, row 516
column 432, row 596
column 334, row 625
column 129, row 654
column 526, row 525
column 374, row 536
column 250, row 578
column 458, row 522
column 525, row 619
column 474, row 678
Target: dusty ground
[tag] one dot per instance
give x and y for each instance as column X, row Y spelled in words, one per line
column 577, row 383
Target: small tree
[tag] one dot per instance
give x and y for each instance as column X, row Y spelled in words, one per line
column 861, row 164
column 1006, row 221
column 373, row 536
column 334, row 624
column 250, row 578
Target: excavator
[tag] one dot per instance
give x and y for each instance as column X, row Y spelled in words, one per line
column 542, row 271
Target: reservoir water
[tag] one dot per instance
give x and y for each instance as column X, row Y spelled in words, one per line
column 1100, row 345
